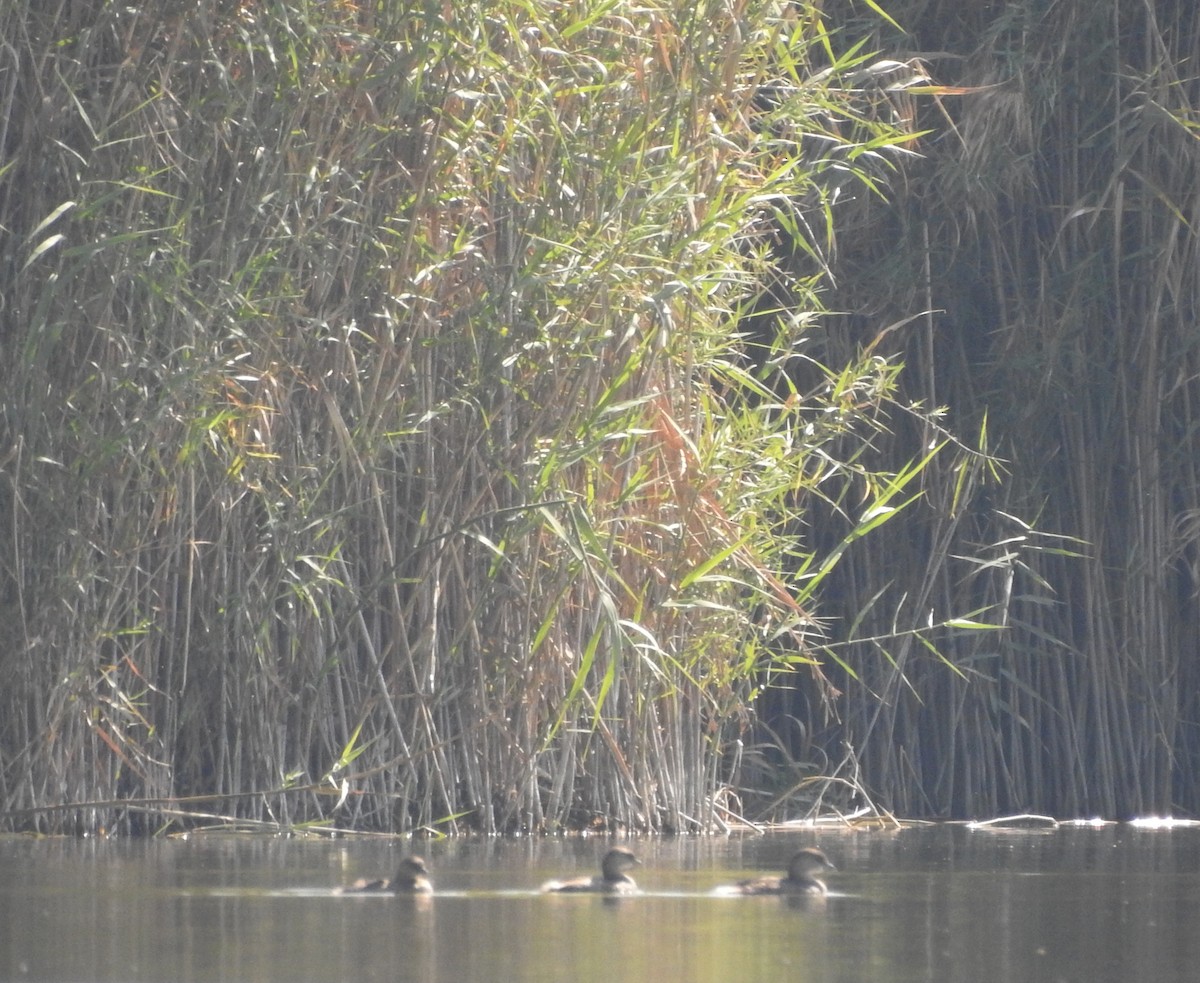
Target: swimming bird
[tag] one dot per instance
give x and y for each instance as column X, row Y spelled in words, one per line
column 411, row 878
column 612, row 878
column 799, row 878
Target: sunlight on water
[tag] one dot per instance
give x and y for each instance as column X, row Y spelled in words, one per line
column 1095, row 904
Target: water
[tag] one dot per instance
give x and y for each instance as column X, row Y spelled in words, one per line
column 943, row 903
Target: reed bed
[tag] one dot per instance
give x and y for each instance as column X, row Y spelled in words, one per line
column 382, row 447
column 1052, row 233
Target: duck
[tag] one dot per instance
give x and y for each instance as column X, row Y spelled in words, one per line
column 612, row 878
column 798, row 880
column 412, row 877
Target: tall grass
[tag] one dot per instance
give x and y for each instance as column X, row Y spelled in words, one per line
column 1052, row 229
column 380, row 446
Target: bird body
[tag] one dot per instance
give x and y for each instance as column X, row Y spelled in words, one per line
column 412, row 877
column 612, row 878
column 798, row 880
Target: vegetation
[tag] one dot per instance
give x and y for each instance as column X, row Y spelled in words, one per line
column 1052, row 224
column 434, row 417
column 382, row 445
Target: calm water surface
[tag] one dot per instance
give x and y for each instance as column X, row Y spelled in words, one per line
column 944, row 904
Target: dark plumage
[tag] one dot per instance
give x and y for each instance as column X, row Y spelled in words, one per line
column 799, row 878
column 411, row 878
column 612, row 878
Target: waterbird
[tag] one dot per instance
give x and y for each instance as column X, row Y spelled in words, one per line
column 612, row 878
column 798, row 880
column 412, row 877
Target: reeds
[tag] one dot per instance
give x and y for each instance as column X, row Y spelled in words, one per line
column 380, row 446
column 1052, row 231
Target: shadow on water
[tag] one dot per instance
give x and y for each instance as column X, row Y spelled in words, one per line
column 941, row 903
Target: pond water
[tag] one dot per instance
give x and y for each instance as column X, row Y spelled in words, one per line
column 938, row 903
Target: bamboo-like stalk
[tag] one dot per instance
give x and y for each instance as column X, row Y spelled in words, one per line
column 378, row 420
column 1068, row 179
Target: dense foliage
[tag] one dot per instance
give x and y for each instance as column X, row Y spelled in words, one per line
column 386, row 436
column 1052, row 225
column 491, row 415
